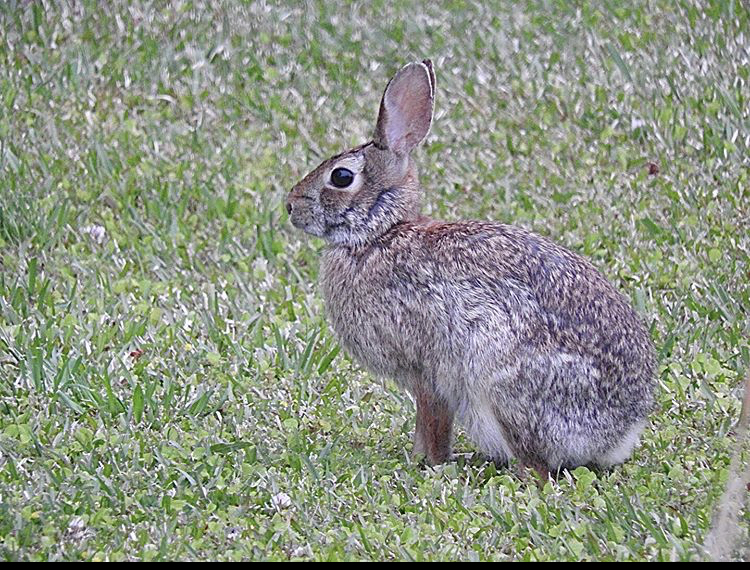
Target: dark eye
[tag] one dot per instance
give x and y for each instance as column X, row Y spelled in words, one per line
column 341, row 177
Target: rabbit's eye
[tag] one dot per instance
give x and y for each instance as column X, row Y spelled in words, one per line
column 342, row 177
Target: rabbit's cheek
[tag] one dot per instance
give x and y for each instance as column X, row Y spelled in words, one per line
column 334, row 201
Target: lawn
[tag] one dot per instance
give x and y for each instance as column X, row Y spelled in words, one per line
column 169, row 388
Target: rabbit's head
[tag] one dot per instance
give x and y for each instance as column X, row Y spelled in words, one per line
column 354, row 197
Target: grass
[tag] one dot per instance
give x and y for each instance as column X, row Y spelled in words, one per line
column 169, row 388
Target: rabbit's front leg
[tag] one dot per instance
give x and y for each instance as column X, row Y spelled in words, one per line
column 433, row 434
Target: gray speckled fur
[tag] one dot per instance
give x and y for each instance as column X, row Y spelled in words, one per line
column 524, row 341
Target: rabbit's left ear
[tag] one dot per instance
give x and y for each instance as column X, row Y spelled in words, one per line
column 406, row 108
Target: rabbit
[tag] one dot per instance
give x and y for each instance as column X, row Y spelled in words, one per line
column 538, row 356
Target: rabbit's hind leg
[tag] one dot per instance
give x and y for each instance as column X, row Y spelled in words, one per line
column 485, row 431
column 622, row 450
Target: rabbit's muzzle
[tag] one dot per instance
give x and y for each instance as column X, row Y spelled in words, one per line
column 305, row 214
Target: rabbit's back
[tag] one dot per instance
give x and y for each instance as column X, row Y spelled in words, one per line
column 508, row 325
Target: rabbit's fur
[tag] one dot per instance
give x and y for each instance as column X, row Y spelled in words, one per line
column 524, row 341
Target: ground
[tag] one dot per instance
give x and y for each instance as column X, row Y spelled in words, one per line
column 169, row 387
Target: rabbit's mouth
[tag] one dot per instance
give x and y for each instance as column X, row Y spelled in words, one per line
column 304, row 220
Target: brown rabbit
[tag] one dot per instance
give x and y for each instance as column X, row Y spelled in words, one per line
column 526, row 342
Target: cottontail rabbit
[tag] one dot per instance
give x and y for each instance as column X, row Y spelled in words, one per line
column 526, row 342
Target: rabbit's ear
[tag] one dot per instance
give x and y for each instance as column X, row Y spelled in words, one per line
column 406, row 108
